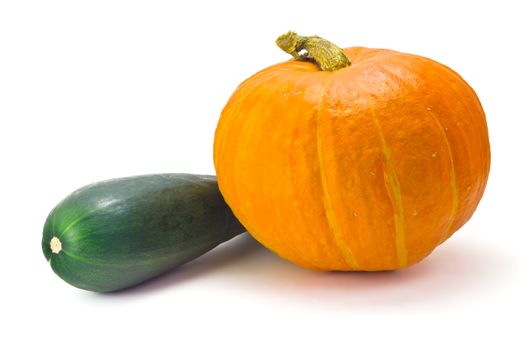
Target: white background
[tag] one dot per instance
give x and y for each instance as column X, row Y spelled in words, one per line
column 91, row 90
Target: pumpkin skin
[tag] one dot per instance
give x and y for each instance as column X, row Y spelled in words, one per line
column 369, row 167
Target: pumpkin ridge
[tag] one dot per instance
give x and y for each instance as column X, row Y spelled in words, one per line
column 256, row 86
column 480, row 133
column 345, row 250
column 451, row 83
column 453, row 181
column 249, row 85
column 458, row 94
column 252, row 86
column 394, row 192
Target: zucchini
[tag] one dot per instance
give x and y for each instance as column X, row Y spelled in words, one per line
column 118, row 233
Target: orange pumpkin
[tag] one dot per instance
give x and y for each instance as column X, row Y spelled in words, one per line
column 367, row 165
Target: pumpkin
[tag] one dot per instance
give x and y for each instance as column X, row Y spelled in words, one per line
column 352, row 159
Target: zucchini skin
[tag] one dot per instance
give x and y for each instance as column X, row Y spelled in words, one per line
column 118, row 233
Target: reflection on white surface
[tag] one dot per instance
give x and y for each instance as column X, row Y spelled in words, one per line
column 453, row 271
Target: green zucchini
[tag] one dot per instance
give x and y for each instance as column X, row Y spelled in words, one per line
column 118, row 233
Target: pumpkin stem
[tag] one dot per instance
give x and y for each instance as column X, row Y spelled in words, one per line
column 328, row 56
